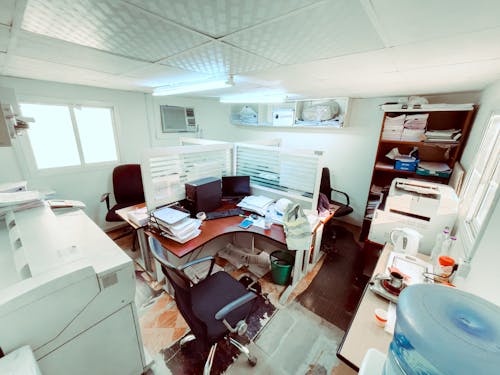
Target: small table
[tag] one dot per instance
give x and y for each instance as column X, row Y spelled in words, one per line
column 145, row 258
column 363, row 333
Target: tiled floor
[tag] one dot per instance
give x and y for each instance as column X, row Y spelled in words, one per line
column 162, row 324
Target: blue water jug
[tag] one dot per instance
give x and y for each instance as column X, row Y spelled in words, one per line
column 441, row 330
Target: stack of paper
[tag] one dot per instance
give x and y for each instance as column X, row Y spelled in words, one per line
column 19, row 200
column 256, row 203
column 448, row 136
column 139, row 217
column 428, row 168
column 414, row 127
column 393, row 127
column 175, row 224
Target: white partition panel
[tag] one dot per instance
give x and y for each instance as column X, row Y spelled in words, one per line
column 166, row 170
column 295, row 174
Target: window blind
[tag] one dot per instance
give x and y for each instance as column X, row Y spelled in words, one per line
column 292, row 171
column 165, row 171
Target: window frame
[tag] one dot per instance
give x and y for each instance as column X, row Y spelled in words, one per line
column 70, row 104
column 471, row 203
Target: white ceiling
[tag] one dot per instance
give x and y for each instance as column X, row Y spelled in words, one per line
column 305, row 48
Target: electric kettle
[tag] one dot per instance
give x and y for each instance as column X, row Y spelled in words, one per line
column 405, row 240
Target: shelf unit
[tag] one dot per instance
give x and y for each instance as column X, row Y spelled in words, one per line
column 440, row 118
column 264, row 114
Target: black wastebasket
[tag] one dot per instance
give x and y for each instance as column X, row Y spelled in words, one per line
column 281, row 266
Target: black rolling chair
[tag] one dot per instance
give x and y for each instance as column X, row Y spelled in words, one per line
column 127, row 190
column 344, row 208
column 213, row 308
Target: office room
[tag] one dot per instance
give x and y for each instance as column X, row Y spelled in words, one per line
column 361, row 237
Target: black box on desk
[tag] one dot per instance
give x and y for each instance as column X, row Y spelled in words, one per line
column 204, row 195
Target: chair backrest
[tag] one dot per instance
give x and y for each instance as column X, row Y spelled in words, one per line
column 127, row 184
column 182, row 288
column 325, row 186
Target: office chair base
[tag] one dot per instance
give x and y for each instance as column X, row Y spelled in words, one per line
column 252, row 360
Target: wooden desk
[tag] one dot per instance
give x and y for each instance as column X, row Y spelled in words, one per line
column 211, row 229
column 363, row 333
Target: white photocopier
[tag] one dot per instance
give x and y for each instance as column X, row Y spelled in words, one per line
column 424, row 206
column 67, row 291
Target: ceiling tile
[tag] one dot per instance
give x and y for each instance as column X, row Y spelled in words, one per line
column 220, row 17
column 110, row 26
column 18, row 66
column 218, row 58
column 7, row 14
column 464, row 48
column 154, row 75
column 407, row 21
column 328, row 29
column 4, row 38
column 37, row 46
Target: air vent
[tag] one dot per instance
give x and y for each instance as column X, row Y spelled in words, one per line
column 177, row 119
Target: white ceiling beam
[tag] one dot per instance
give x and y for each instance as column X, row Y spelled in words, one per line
column 377, row 24
column 17, row 20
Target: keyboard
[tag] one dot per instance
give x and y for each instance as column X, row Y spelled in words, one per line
column 225, row 213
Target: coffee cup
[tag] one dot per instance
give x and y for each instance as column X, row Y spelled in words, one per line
column 396, row 280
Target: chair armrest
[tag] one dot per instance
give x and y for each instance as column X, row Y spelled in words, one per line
column 221, row 314
column 105, row 197
column 199, row 260
column 344, row 194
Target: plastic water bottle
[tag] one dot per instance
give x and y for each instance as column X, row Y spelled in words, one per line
column 448, row 245
column 441, row 330
column 268, row 220
column 440, row 238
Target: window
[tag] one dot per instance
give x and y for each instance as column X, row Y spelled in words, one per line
column 68, row 135
column 481, row 192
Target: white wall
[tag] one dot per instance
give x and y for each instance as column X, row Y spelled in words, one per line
column 349, row 152
column 484, row 277
column 89, row 184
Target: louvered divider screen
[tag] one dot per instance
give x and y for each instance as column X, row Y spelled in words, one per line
column 294, row 174
column 166, row 170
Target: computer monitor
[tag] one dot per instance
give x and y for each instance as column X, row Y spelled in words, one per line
column 235, row 186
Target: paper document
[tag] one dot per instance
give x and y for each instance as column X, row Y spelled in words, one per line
column 256, row 203
column 139, row 217
column 19, row 197
column 169, row 215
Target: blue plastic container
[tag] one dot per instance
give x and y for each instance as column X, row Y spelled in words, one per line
column 442, row 331
column 402, row 165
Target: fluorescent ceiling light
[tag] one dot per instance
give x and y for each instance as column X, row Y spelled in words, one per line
column 193, row 87
column 254, row 99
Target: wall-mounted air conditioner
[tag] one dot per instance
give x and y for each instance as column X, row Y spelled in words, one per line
column 177, row 119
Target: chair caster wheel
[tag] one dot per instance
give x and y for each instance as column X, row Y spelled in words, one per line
column 252, row 361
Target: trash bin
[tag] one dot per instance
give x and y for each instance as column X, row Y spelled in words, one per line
column 281, row 266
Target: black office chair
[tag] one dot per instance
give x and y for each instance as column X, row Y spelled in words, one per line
column 127, row 190
column 213, row 308
column 344, row 208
